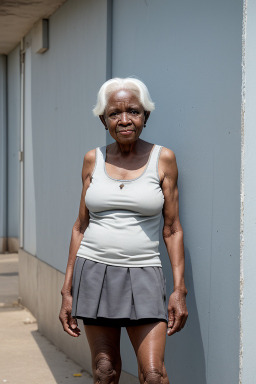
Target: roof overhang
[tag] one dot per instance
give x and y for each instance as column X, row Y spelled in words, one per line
column 18, row 17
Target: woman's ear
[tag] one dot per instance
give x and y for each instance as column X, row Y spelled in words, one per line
column 102, row 119
column 146, row 114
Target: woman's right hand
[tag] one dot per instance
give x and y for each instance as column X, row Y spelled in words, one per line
column 68, row 322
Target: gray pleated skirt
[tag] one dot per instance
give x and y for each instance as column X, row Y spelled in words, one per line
column 117, row 296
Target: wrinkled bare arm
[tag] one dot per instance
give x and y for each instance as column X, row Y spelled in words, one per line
column 69, row 324
column 173, row 238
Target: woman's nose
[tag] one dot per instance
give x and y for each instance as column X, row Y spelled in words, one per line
column 124, row 118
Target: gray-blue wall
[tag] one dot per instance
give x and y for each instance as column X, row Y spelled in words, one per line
column 13, row 65
column 189, row 55
column 3, row 152
column 29, row 201
column 64, row 84
column 9, row 147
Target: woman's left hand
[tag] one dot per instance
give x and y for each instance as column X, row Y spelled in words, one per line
column 177, row 312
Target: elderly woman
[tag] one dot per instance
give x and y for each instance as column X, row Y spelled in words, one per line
column 114, row 276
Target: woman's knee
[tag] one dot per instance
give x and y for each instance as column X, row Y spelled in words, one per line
column 154, row 374
column 107, row 369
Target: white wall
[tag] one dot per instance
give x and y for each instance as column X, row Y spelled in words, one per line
column 248, row 201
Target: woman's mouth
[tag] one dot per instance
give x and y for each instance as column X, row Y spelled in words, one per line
column 126, row 132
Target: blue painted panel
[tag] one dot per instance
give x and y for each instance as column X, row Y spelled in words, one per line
column 189, row 55
column 65, row 80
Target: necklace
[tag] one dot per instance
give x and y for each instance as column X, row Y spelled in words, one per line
column 121, row 186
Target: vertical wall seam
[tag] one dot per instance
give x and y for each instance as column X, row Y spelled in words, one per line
column 210, row 271
column 3, row 138
column 242, row 188
column 22, row 75
column 109, row 39
column 109, row 46
column 7, row 154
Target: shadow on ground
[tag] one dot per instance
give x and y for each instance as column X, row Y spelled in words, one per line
column 62, row 368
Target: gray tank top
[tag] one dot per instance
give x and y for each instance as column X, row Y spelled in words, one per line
column 125, row 215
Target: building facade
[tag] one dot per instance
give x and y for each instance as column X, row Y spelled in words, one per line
column 197, row 59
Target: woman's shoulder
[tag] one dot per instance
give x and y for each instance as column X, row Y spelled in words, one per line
column 167, row 155
column 89, row 163
column 167, row 163
column 90, row 156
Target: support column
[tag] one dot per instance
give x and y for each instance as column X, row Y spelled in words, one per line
column 248, row 200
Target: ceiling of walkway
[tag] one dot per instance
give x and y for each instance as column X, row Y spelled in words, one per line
column 18, row 17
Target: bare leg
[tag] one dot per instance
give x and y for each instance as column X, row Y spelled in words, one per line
column 149, row 343
column 104, row 343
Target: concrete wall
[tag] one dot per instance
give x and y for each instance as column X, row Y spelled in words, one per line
column 3, row 154
column 248, row 201
column 41, row 294
column 64, row 83
column 192, row 66
column 13, row 65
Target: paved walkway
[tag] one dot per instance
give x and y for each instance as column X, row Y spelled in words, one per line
column 26, row 357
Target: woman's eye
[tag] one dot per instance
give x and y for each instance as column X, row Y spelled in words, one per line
column 134, row 112
column 113, row 114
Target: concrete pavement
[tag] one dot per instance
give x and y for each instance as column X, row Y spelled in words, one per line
column 25, row 355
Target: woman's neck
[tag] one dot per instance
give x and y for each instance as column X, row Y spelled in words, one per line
column 126, row 149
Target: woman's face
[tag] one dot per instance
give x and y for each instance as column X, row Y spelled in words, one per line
column 124, row 116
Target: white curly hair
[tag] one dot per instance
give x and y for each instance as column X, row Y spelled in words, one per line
column 115, row 84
